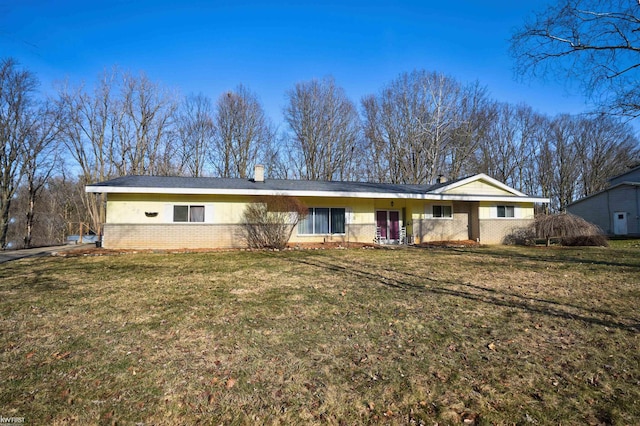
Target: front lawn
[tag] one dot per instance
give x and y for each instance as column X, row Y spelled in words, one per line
column 490, row 335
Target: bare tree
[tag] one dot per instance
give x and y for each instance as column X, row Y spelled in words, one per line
column 122, row 127
column 565, row 169
column 17, row 122
column 40, row 158
column 508, row 147
column 195, row 131
column 89, row 130
column 477, row 111
column 409, row 127
column 243, row 133
column 593, row 42
column 605, row 148
column 144, row 120
column 325, row 139
column 543, row 170
column 63, row 200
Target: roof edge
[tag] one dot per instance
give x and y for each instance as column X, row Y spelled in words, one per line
column 479, row 176
column 629, row 183
column 306, row 193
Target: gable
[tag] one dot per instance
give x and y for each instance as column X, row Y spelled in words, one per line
column 478, row 187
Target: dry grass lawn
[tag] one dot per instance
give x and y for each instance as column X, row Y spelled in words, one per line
column 488, row 335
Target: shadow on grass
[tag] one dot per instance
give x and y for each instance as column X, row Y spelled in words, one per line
column 39, row 279
column 45, row 275
column 411, row 282
column 565, row 254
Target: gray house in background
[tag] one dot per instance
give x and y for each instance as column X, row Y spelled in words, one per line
column 615, row 210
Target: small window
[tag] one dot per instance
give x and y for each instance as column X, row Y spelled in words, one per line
column 506, row 211
column 442, row 212
column 188, row 213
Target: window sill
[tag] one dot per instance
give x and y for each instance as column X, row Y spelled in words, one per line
column 321, row 235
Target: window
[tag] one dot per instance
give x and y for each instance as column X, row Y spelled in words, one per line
column 442, row 212
column 188, row 213
column 506, row 211
column 323, row 221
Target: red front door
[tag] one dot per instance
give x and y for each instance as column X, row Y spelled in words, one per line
column 388, row 221
column 381, row 223
column 394, row 225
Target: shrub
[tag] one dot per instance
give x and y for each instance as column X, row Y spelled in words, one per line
column 269, row 222
column 521, row 237
column 588, row 240
column 568, row 229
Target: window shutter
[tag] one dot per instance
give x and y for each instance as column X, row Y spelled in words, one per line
column 349, row 216
column 208, row 213
column 168, row 213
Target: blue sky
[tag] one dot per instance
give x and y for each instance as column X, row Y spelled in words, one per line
column 212, row 46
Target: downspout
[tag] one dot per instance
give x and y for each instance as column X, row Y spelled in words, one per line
column 610, row 216
column 637, row 211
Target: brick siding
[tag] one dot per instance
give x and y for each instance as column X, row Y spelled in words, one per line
column 493, row 231
column 172, row 236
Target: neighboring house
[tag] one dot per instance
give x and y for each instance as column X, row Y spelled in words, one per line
column 616, row 210
column 182, row 212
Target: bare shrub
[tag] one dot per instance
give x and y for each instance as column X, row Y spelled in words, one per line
column 269, row 222
column 589, row 240
column 566, row 228
column 521, row 237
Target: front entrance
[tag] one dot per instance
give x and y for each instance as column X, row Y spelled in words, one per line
column 388, row 226
column 474, row 221
column 620, row 223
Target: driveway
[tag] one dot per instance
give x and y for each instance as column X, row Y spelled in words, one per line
column 9, row 255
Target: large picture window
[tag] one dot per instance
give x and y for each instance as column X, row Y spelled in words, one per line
column 323, row 221
column 506, row 211
column 439, row 212
column 188, row 213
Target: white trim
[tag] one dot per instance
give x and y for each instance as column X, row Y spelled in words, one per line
column 168, row 213
column 516, row 212
column 428, row 211
column 350, row 216
column 329, row 194
column 479, row 176
column 208, row 213
column 326, row 234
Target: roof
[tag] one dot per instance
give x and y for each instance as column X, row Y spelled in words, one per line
column 632, row 169
column 167, row 182
column 300, row 188
column 611, row 188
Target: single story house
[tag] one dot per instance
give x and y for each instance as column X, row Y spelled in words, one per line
column 616, row 210
column 144, row 212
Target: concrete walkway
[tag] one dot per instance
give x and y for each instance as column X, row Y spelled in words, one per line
column 9, row 255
